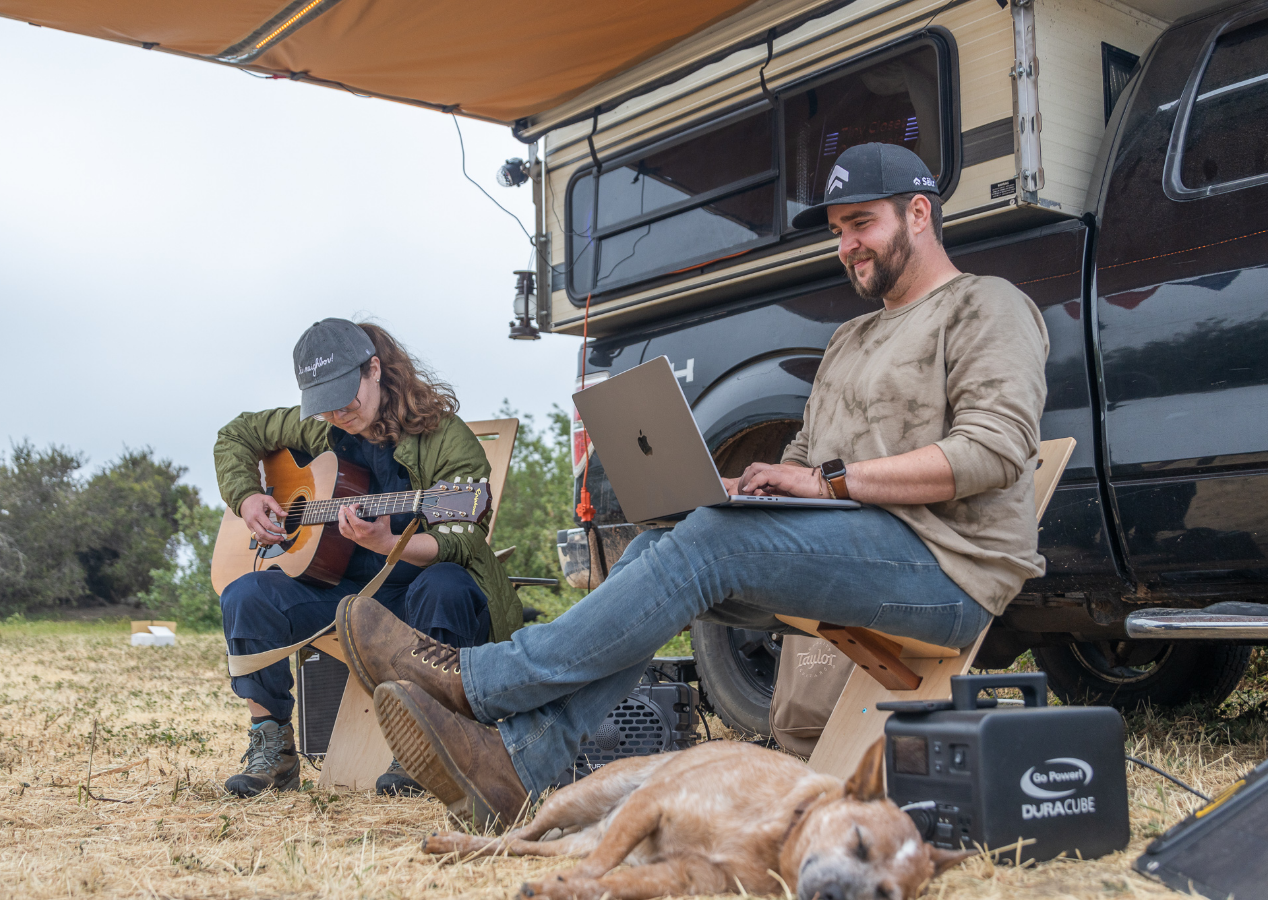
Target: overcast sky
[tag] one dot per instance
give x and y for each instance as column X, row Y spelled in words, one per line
column 169, row 227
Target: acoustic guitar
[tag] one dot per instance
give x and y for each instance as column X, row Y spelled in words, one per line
column 312, row 494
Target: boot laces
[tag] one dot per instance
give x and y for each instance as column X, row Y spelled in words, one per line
column 441, row 656
column 264, row 753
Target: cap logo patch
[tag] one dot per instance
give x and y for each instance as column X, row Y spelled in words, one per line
column 316, row 364
column 924, row 182
column 838, row 178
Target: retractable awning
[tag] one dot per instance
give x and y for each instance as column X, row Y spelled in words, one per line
column 490, row 59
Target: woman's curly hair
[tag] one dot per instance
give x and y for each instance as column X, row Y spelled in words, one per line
column 413, row 401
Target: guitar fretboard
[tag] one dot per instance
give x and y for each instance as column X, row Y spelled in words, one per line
column 320, row 511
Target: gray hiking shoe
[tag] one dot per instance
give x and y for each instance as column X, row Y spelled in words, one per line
column 271, row 761
column 396, row 781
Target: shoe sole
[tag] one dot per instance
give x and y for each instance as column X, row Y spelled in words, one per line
column 412, row 743
column 343, row 627
column 422, row 755
column 290, row 783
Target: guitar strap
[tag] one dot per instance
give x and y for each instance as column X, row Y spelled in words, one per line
column 247, row 663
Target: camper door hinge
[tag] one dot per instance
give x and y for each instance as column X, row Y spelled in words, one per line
column 1028, row 123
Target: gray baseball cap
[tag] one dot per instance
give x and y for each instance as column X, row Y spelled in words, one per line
column 869, row 172
column 328, row 360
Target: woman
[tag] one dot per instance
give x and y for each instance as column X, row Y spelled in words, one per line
column 364, row 397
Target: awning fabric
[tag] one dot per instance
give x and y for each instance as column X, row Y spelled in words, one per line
column 490, row 59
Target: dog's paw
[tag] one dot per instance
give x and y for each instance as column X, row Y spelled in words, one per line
column 559, row 887
column 453, row 842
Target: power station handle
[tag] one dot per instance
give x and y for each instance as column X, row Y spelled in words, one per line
column 965, row 688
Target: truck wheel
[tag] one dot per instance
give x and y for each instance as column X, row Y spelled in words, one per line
column 737, row 674
column 1125, row 674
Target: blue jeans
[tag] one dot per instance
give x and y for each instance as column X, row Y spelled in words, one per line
column 552, row 685
column 264, row 610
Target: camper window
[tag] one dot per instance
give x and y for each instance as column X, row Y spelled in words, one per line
column 732, row 185
column 895, row 101
column 668, row 207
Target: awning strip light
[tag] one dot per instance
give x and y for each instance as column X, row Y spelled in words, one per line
column 295, row 16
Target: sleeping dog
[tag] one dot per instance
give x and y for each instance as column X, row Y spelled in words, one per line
column 723, row 816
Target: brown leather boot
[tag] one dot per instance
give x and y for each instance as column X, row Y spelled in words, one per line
column 382, row 648
column 462, row 762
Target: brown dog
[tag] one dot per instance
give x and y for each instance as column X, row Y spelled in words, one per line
column 720, row 817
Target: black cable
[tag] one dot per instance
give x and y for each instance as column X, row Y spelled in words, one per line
column 463, row 147
column 1169, row 777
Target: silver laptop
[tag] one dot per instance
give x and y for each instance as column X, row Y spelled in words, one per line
column 652, row 450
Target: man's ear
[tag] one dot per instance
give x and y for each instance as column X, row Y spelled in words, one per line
column 946, row 859
column 919, row 214
column 868, row 781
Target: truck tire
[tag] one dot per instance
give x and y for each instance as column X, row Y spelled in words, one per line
column 737, row 674
column 1126, row 674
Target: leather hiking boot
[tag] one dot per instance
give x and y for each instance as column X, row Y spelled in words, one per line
column 462, row 762
column 382, row 648
column 396, row 782
column 271, row 761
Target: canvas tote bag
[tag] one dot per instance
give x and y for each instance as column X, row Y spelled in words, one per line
column 812, row 674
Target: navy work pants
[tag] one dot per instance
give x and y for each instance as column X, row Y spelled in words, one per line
column 266, row 610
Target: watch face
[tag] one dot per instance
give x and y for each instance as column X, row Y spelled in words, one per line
column 833, row 468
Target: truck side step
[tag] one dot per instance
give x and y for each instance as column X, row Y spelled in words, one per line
column 1231, row 621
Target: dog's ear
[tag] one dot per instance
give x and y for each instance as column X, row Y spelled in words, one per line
column 868, row 781
column 946, row 859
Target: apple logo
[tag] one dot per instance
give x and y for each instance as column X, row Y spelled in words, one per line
column 643, row 444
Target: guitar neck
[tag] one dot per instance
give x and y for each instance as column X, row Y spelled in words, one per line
column 317, row 512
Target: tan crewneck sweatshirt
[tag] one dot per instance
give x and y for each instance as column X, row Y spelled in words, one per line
column 963, row 368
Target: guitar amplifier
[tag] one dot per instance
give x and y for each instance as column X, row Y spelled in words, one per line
column 657, row 717
column 319, row 684
column 968, row 772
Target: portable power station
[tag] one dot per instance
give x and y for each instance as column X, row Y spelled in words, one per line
column 971, row 772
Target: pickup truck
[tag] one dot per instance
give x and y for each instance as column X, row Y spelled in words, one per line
column 1156, row 304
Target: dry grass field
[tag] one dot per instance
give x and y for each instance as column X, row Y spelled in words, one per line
column 169, row 731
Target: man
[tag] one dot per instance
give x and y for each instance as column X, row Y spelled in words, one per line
column 927, row 411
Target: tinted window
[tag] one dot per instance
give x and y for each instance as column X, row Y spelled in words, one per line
column 709, row 162
column 895, row 102
column 1227, row 138
column 712, row 230
column 701, row 199
column 719, row 193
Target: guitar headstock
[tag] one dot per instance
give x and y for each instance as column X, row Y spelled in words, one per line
column 456, row 503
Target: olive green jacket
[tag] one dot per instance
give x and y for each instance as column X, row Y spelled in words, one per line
column 450, row 453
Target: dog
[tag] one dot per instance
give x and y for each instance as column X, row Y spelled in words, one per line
column 722, row 817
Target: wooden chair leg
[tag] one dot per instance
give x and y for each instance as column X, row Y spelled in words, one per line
column 874, row 653
column 855, row 723
column 357, row 754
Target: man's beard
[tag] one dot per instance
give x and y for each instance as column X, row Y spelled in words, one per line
column 887, row 267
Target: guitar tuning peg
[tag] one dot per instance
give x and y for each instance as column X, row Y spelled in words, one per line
column 468, row 479
column 444, row 529
column 459, row 529
column 484, row 480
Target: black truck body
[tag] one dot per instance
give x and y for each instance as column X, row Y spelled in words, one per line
column 1156, row 304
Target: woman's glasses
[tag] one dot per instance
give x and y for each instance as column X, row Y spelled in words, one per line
column 339, row 413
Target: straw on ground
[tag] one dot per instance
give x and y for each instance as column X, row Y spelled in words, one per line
column 169, row 732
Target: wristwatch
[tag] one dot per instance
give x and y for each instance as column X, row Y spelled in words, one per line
column 834, row 474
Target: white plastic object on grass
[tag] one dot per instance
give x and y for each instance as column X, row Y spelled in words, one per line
column 156, row 636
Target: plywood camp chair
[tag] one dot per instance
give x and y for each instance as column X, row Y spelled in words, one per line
column 357, row 754
column 893, row 667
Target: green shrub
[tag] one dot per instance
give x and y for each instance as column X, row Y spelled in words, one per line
column 182, row 587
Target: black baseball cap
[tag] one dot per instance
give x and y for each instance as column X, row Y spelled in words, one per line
column 868, row 172
column 328, row 358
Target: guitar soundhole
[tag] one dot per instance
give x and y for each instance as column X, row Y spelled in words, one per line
column 295, row 516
